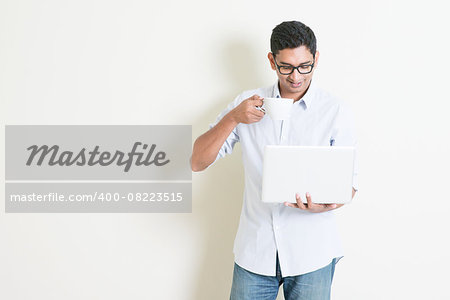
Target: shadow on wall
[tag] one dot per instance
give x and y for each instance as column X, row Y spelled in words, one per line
column 217, row 191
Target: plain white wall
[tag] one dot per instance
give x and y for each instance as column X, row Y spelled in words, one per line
column 182, row 62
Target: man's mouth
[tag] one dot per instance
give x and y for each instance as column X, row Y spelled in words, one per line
column 295, row 85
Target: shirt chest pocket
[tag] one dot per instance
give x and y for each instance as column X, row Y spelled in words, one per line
column 310, row 132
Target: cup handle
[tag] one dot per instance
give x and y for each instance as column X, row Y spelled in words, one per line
column 260, row 108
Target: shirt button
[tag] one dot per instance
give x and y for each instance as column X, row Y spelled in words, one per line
column 277, row 227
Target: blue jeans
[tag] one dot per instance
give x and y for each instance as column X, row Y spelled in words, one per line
column 310, row 286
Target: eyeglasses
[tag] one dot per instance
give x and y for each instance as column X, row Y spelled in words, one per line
column 287, row 70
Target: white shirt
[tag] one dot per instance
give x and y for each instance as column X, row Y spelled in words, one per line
column 305, row 241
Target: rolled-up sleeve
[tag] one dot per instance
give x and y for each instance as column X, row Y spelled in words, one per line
column 233, row 138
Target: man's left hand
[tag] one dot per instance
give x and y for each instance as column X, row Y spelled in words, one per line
column 310, row 206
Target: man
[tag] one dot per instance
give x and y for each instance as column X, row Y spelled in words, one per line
column 294, row 244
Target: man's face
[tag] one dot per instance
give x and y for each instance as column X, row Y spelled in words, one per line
column 295, row 84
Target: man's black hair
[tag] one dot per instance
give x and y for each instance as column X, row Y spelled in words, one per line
column 292, row 34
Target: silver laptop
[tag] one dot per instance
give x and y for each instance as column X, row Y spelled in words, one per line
column 325, row 172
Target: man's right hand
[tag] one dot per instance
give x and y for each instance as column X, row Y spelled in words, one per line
column 246, row 112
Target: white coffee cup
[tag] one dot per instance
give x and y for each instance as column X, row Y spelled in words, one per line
column 278, row 108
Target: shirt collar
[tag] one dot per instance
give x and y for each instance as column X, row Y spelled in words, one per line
column 307, row 97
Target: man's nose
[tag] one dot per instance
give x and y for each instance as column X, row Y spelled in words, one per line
column 296, row 76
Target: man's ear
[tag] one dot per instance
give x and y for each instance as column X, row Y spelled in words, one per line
column 271, row 60
column 316, row 61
